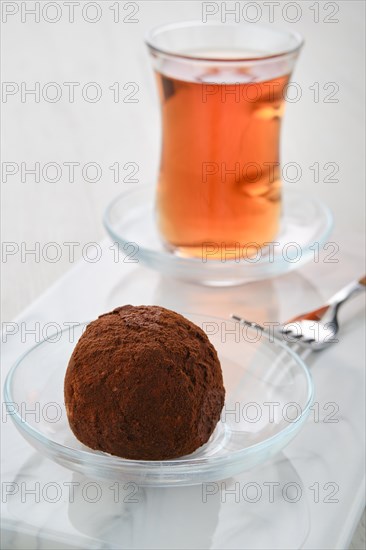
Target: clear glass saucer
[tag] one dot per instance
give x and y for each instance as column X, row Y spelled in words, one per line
column 269, row 392
column 305, row 226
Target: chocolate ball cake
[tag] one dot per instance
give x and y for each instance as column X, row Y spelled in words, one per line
column 144, row 383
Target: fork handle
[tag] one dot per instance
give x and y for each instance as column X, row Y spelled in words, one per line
column 347, row 292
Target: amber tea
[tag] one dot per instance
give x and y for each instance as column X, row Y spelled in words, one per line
column 220, row 178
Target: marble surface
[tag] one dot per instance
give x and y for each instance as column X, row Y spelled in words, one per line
column 324, row 464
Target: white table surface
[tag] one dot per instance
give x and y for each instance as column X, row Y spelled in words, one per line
column 327, row 455
column 108, row 132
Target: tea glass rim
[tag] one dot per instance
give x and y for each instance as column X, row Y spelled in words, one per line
column 159, row 29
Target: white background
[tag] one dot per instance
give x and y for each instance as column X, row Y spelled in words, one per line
column 106, row 132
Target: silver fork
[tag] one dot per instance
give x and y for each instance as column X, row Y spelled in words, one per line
column 316, row 329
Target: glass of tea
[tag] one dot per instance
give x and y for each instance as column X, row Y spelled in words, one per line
column 222, row 89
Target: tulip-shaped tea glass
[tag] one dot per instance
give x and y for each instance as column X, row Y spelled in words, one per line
column 222, row 89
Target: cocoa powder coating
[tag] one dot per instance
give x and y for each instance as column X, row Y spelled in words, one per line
column 144, row 383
